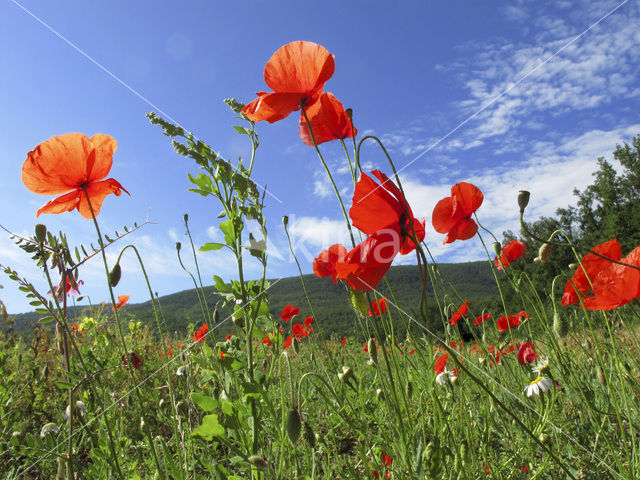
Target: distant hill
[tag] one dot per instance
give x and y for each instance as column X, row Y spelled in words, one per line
column 334, row 316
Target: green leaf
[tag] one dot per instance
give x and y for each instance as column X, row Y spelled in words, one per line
column 46, row 320
column 257, row 333
column 64, row 385
column 220, row 285
column 242, row 130
column 205, row 402
column 211, row 246
column 210, row 428
column 229, row 232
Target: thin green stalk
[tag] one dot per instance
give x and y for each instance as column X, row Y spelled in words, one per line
column 121, row 332
column 333, row 183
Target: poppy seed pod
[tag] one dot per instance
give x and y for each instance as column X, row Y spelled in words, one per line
column 115, row 274
column 41, row 233
column 294, row 425
column 497, row 248
column 545, row 251
column 523, row 199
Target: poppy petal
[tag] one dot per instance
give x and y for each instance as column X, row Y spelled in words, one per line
column 468, row 198
column 272, row 106
column 64, row 203
column 373, row 207
column 329, row 121
column 302, row 67
column 97, row 191
column 442, row 217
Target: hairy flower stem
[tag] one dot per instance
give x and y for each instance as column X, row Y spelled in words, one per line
column 122, row 340
column 333, row 183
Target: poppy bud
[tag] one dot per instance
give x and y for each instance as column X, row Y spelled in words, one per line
column 308, row 435
column 178, row 246
column 141, row 423
column 115, row 274
column 257, row 461
column 523, row 199
column 186, row 217
column 373, row 351
column 602, row 379
column 409, row 390
column 573, row 266
column 294, row 425
column 497, row 248
column 544, row 438
column 560, row 326
column 216, row 315
column 41, row 233
column 296, row 345
column 285, row 220
column 349, row 113
column 545, row 252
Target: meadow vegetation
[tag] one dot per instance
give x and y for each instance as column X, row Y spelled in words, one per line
column 361, row 371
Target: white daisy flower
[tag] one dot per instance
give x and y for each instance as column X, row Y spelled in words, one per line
column 447, row 376
column 541, row 367
column 538, row 385
column 51, row 428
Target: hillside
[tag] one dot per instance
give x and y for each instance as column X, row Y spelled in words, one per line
column 334, row 316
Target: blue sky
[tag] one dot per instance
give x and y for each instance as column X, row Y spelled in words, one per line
column 504, row 95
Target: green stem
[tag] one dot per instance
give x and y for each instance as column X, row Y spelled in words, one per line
column 121, row 333
column 333, row 183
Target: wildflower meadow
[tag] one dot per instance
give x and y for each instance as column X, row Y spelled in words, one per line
column 542, row 380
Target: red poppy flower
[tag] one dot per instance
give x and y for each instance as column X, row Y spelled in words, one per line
column 266, row 341
column 68, row 164
column 440, row 363
column 365, row 265
column 228, row 337
column 289, row 312
column 325, row 264
column 136, row 363
column 329, row 121
column 299, row 331
column 592, row 266
column 308, row 321
column 452, row 215
column 616, row 285
column 75, row 326
column 526, row 354
column 198, row 335
column 458, row 314
column 296, row 73
column 378, row 307
column 510, row 253
column 386, row 459
column 344, row 341
column 481, row 318
column 381, row 206
column 287, row 342
column 122, row 301
column 505, row 323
